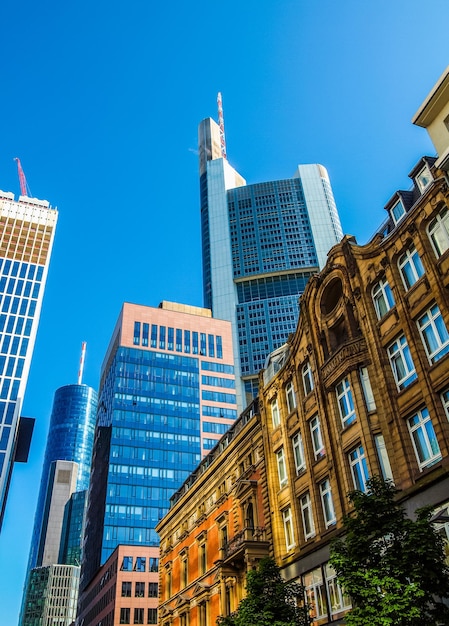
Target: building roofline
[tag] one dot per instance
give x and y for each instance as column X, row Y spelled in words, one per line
column 434, row 101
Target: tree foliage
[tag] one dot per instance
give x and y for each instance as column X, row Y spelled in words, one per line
column 270, row 600
column 392, row 567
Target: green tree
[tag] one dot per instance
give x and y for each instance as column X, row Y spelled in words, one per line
column 392, row 567
column 270, row 600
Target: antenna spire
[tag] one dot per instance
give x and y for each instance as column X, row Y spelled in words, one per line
column 221, row 125
column 81, row 368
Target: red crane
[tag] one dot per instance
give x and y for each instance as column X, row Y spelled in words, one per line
column 24, row 189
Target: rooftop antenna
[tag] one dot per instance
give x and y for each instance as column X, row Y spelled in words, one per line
column 221, row 125
column 81, row 369
column 24, row 188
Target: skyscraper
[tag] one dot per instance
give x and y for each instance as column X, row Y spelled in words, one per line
column 55, row 554
column 167, row 394
column 261, row 243
column 27, row 229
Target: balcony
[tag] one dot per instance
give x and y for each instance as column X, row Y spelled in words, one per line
column 246, row 546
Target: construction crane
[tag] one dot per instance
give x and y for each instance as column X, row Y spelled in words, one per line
column 221, row 125
column 24, row 188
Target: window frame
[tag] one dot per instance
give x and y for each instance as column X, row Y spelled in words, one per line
column 410, row 259
column 359, row 468
column 327, row 503
column 317, row 441
column 382, row 294
column 289, row 534
column 315, row 592
column 399, row 353
column 307, row 378
column 290, row 396
column 434, row 330
column 444, row 396
column 299, row 453
column 425, row 435
column 439, row 225
column 282, row 467
column 275, row 414
column 308, row 522
column 345, row 402
column 396, row 216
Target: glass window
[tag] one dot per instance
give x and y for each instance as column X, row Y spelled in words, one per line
column 184, row 572
column 145, row 333
column 423, row 179
column 126, row 589
column 338, row 600
column 127, row 564
column 290, row 396
column 307, row 378
column 401, row 362
column 307, row 516
column 411, row 267
column 203, row 344
column 136, row 340
column 138, row 615
column 153, row 590
column 314, row 589
column 434, row 333
column 125, row 616
column 153, row 335
column 359, row 468
column 367, row 389
column 152, row 616
column 139, row 591
column 298, row 453
column 382, row 298
column 345, row 402
column 170, row 338
column 219, row 347
column 317, row 439
column 327, row 503
column 275, row 413
column 288, row 528
column 195, row 343
column 438, row 231
column 178, row 340
column 282, row 470
column 397, row 211
column 211, row 345
column 202, row 558
column 445, row 401
column 162, row 337
column 382, row 455
column 140, row 565
column 424, row 439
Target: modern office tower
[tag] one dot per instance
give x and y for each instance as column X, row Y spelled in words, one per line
column 167, row 394
column 261, row 243
column 27, row 229
column 55, row 554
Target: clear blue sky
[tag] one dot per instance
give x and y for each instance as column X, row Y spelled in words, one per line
column 101, row 101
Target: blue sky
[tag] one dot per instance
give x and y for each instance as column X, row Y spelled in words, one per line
column 101, row 101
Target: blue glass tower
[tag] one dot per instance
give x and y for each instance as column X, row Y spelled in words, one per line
column 261, row 243
column 27, row 229
column 167, row 394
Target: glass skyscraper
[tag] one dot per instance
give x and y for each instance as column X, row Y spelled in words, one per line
column 167, row 394
column 55, row 554
column 261, row 243
column 27, row 229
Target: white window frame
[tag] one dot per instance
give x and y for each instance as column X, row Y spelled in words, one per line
column 327, row 503
column 282, row 467
column 345, row 402
column 397, row 216
column 317, row 438
column 424, row 178
column 445, row 401
column 359, row 468
column 275, row 415
column 338, row 600
column 315, row 593
column 308, row 523
column 367, row 389
column 401, row 362
column 290, row 396
column 438, row 232
column 287, row 519
column 424, row 439
column 382, row 298
column 382, row 455
column 410, row 259
column 298, row 453
column 307, row 378
column 434, row 333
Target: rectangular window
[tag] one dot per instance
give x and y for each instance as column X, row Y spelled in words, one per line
column 184, row 572
column 290, row 396
column 126, row 589
column 288, row 528
column 434, row 334
column 153, row 590
column 211, row 344
column 401, row 362
column 178, row 340
column 125, row 615
column 140, row 565
column 424, row 439
column 397, row 212
column 411, row 267
column 367, row 389
column 445, row 402
column 382, row 455
column 282, row 470
column 298, row 453
column 219, row 347
column 315, row 594
column 317, row 439
column 127, row 564
column 338, row 600
column 203, row 344
column 202, row 610
column 359, row 468
column 438, row 231
column 275, row 413
column 327, row 503
column 153, row 564
column 139, row 590
column 382, row 298
column 307, row 378
column 162, row 337
column 145, row 334
column 136, row 340
column 138, row 615
column 194, row 342
column 170, row 338
column 202, row 558
column 152, row 616
column 187, row 341
column 345, row 402
column 153, row 336
column 307, row 516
